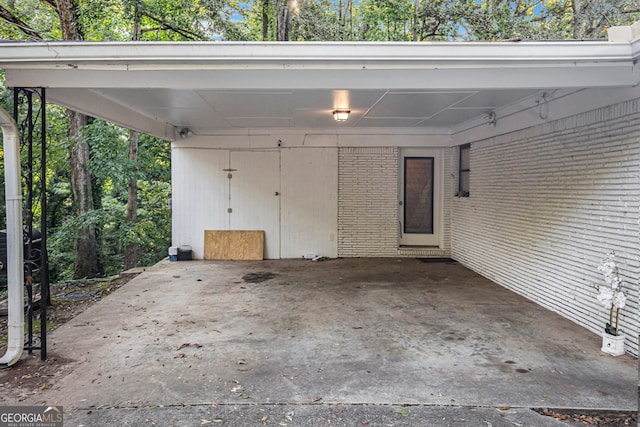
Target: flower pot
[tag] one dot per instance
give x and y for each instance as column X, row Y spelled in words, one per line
column 612, row 344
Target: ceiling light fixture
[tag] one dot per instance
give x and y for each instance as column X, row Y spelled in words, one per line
column 341, row 115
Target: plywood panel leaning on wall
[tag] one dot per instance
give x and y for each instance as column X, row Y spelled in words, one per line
column 234, row 245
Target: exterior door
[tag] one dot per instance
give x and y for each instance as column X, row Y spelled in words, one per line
column 420, row 202
column 254, row 195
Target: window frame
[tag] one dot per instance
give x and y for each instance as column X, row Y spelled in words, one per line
column 462, row 192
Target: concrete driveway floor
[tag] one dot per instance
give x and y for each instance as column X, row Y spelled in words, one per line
column 295, row 342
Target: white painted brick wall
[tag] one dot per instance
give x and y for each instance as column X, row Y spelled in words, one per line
column 367, row 201
column 450, row 188
column 547, row 203
column 368, row 204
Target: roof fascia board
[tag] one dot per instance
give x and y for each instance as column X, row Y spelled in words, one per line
column 570, row 75
column 190, row 55
column 635, row 50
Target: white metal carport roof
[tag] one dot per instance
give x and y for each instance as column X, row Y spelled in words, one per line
column 216, row 88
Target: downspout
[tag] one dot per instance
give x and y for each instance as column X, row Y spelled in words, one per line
column 15, row 243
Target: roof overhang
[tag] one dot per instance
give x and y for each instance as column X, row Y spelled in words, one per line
column 214, row 87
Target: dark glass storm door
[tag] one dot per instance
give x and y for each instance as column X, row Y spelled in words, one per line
column 418, row 198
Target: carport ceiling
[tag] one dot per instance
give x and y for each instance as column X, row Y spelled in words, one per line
column 213, row 88
column 208, row 111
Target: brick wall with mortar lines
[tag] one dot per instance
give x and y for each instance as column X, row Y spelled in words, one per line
column 367, row 201
column 547, row 203
column 450, row 187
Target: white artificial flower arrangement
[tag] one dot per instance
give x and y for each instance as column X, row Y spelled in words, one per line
column 611, row 295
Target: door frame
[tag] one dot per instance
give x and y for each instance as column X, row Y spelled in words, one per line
column 426, row 240
column 238, row 200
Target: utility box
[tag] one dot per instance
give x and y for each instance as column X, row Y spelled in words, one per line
column 173, row 253
column 184, row 253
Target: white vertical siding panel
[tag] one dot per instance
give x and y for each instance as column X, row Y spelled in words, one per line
column 200, row 195
column 254, row 196
column 547, row 204
column 309, row 202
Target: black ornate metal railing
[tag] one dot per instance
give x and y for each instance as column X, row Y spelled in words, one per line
column 29, row 111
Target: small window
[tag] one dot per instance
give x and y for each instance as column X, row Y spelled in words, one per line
column 464, row 170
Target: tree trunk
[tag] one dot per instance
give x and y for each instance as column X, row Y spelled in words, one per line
column 577, row 20
column 350, row 19
column 416, row 19
column 265, row 20
column 131, row 251
column 68, row 15
column 86, row 263
column 137, row 24
column 86, row 246
column 284, row 18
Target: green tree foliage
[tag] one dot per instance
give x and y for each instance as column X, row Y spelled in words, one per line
column 183, row 20
column 104, row 20
column 111, row 169
column 100, row 20
column 424, row 20
column 386, row 20
column 318, row 21
column 35, row 14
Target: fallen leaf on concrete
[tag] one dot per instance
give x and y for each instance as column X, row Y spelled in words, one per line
column 241, row 362
column 197, row 345
column 264, row 419
column 364, row 422
column 505, row 408
column 404, row 412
